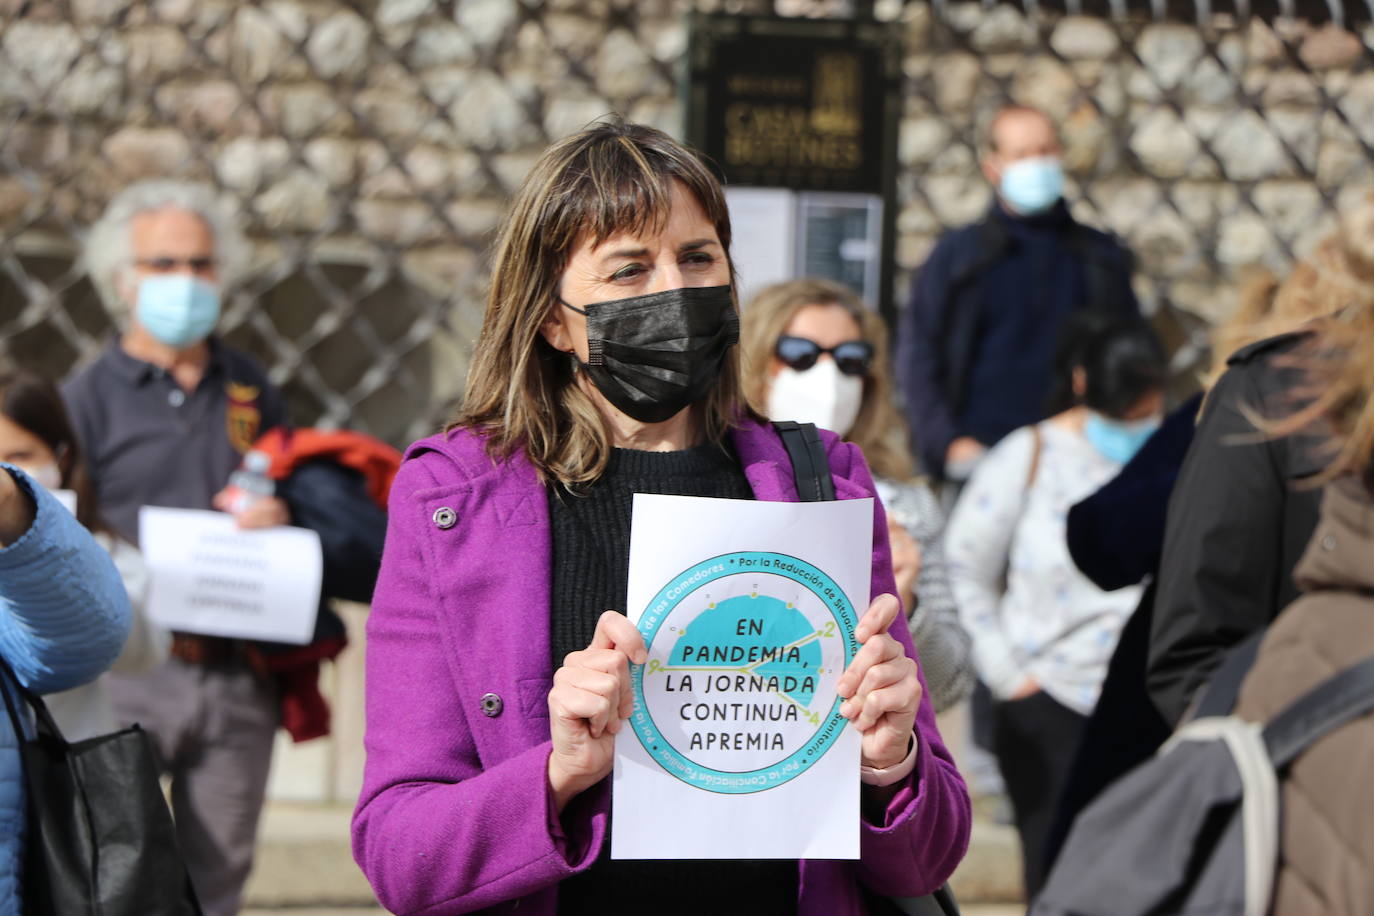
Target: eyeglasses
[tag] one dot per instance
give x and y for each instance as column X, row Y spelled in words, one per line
column 853, row 357
column 198, row 265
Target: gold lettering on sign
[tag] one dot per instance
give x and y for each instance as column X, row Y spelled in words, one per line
column 786, row 87
column 836, row 97
column 824, row 135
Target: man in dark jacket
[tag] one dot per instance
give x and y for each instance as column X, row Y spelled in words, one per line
column 165, row 414
column 976, row 343
column 1238, row 522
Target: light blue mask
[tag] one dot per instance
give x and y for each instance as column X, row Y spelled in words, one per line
column 178, row 309
column 1031, row 186
column 1117, row 440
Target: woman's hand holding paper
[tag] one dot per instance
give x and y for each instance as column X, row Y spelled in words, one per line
column 590, row 698
column 880, row 688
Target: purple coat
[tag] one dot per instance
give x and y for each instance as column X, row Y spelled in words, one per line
column 455, row 813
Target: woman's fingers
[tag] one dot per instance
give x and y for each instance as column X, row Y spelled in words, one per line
column 878, row 618
column 881, row 685
column 585, row 693
column 875, row 651
column 611, row 661
column 590, row 699
column 884, row 674
column 614, row 631
column 899, row 698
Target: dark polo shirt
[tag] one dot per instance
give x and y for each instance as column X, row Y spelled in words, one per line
column 149, row 443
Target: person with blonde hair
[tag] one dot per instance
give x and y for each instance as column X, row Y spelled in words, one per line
column 1326, row 849
column 813, row 352
column 1303, row 683
column 497, row 680
column 1270, row 306
column 1116, row 537
column 1241, row 488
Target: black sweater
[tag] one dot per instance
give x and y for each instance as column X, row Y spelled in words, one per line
column 591, row 563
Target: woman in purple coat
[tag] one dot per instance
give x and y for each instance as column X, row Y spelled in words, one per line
column 496, row 679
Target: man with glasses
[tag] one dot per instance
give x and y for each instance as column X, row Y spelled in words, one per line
column 165, row 415
column 977, row 340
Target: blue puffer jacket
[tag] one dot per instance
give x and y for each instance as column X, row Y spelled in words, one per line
column 64, row 617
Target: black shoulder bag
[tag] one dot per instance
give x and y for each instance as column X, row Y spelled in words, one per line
column 100, row 838
column 811, row 469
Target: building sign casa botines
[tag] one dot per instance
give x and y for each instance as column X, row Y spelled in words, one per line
column 800, row 117
column 798, row 103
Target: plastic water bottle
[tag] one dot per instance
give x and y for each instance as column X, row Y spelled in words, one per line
column 250, row 483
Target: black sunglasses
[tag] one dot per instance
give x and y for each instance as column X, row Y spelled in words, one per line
column 199, row 266
column 853, row 357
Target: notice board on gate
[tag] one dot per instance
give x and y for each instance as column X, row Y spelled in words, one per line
column 800, row 116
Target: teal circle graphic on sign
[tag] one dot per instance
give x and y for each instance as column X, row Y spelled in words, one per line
column 744, row 650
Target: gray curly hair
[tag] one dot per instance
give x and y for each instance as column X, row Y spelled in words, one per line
column 107, row 251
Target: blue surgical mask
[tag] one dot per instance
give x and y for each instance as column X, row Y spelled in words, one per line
column 1118, row 440
column 1031, row 186
column 178, row 309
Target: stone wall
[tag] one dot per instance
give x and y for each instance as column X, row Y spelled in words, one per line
column 370, row 149
column 371, row 145
column 1211, row 151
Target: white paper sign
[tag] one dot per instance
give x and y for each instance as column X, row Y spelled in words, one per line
column 736, row 748
column 211, row 577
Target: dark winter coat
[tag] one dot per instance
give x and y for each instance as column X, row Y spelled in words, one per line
column 953, row 310
column 1237, row 524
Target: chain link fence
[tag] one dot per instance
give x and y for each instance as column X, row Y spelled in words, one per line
column 369, row 149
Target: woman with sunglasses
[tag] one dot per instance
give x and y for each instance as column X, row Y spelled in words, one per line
column 36, row 436
column 814, row 353
column 497, row 679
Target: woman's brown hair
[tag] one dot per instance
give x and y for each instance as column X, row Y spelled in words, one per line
column 878, row 429
column 33, row 403
column 611, row 178
column 1338, row 392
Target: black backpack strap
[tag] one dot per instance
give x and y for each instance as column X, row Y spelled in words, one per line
column 1330, row 704
column 810, row 466
column 1219, row 694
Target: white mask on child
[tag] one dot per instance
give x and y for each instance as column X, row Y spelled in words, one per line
column 822, row 395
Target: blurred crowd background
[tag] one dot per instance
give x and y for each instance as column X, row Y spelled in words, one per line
column 371, row 145
column 369, row 148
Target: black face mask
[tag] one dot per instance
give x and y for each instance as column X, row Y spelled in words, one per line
column 653, row 355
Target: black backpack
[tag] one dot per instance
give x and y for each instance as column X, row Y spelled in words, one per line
column 1195, row 830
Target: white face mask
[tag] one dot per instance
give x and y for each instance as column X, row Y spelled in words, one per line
column 822, row 395
column 48, row 476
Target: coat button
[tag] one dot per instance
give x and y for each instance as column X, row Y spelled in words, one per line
column 491, row 705
column 1329, row 542
column 445, row 518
